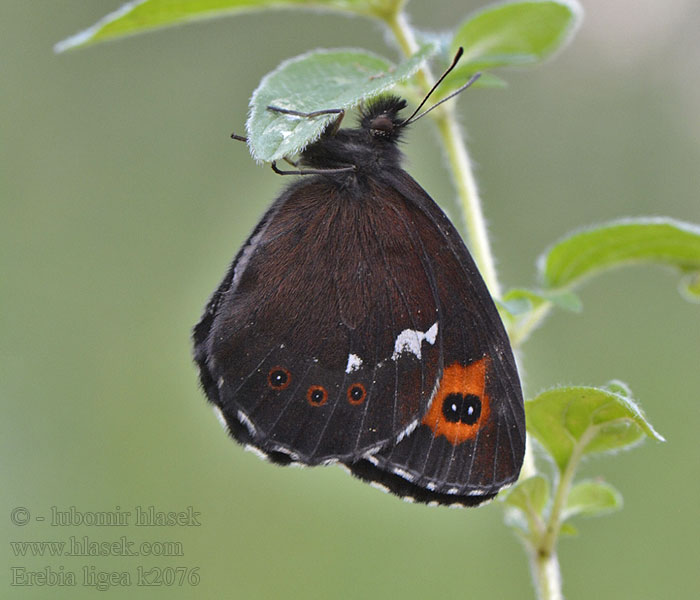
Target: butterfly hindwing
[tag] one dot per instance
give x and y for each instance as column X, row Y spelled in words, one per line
column 471, row 440
column 327, row 354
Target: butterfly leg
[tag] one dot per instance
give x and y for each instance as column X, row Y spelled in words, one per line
column 279, row 171
column 316, row 113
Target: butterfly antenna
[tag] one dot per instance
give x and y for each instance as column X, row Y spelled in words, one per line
column 449, row 69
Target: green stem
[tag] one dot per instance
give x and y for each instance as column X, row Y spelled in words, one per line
column 547, row 576
column 528, row 469
column 458, row 158
column 549, row 540
column 522, row 329
column 545, row 566
column 543, row 553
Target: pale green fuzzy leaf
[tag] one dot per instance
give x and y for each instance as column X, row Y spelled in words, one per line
column 589, row 419
column 512, row 34
column 519, row 301
column 632, row 241
column 592, row 498
column 530, row 495
column 144, row 15
column 568, row 530
column 318, row 80
column 690, row 287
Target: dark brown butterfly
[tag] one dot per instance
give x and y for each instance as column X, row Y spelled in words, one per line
column 353, row 327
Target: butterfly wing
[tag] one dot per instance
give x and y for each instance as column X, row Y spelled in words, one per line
column 323, row 341
column 471, row 440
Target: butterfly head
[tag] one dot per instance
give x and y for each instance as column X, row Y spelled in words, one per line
column 370, row 148
column 380, row 118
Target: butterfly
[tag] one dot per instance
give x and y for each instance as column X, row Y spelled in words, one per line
column 353, row 327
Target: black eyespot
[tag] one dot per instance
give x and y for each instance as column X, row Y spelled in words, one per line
column 317, row 395
column 458, row 408
column 472, row 409
column 356, row 393
column 279, row 378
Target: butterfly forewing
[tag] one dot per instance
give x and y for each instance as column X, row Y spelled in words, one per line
column 318, row 344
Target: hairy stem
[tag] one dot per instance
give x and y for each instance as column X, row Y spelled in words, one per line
column 543, row 553
column 545, row 565
column 545, row 571
column 522, row 329
column 459, row 161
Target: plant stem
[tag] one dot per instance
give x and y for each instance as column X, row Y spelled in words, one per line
column 545, row 570
column 543, row 552
column 522, row 329
column 549, row 540
column 544, row 563
column 460, row 163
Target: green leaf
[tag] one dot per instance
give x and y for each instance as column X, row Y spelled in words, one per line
column 529, row 495
column 526, row 500
column 575, row 421
column 592, row 498
column 144, row 15
column 619, row 387
column 524, row 310
column 567, row 529
column 519, row 301
column 512, row 34
column 690, row 287
column 485, row 81
column 632, row 241
column 318, row 80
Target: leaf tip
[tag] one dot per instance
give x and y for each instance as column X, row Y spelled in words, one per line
column 87, row 35
column 74, row 41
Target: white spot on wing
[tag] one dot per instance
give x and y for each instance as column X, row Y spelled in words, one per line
column 410, row 340
column 220, row 417
column 431, row 334
column 259, row 453
column 243, row 418
column 371, row 458
column 379, row 486
column 282, row 450
column 404, row 474
column 247, row 253
column 408, row 431
column 354, row 363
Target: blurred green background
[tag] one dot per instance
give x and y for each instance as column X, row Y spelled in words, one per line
column 123, row 202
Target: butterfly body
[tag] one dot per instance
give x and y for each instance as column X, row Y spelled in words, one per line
column 354, row 327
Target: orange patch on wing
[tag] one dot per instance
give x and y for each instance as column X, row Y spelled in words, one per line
column 463, row 381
